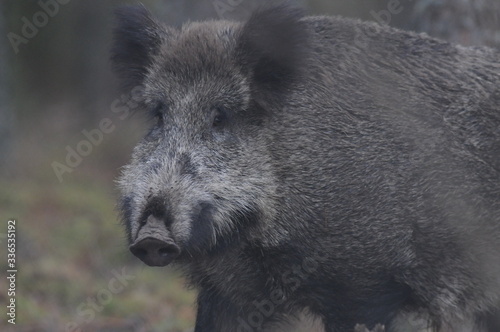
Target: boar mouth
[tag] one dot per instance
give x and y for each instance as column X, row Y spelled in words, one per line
column 154, row 245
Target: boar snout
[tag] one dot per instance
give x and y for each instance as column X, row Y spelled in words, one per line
column 155, row 252
column 154, row 244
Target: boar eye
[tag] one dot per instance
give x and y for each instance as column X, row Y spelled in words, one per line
column 157, row 113
column 159, row 119
column 219, row 117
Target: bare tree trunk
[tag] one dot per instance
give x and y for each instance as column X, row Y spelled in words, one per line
column 6, row 116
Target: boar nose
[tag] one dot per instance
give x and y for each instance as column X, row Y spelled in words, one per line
column 155, row 252
column 154, row 244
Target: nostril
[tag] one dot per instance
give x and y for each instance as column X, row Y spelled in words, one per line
column 165, row 251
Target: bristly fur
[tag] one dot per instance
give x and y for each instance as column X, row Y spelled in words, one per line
column 315, row 163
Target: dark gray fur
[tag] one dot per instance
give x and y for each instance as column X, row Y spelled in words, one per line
column 318, row 163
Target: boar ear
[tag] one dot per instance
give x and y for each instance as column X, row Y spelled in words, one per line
column 272, row 48
column 137, row 38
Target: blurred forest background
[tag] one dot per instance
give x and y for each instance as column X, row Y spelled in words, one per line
column 74, row 269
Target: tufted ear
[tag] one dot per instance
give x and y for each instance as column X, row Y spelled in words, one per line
column 272, row 48
column 137, row 38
